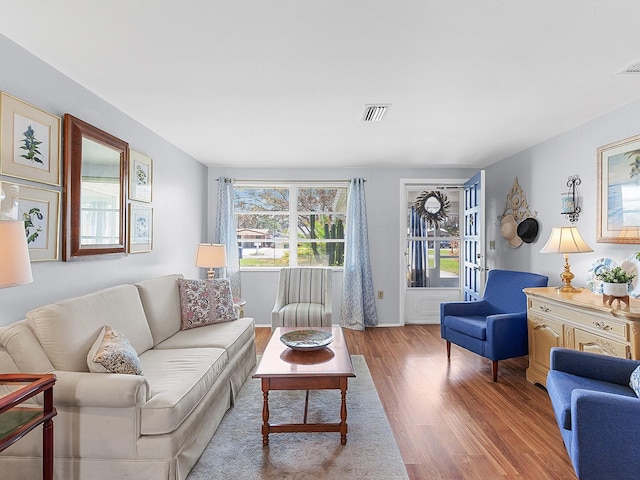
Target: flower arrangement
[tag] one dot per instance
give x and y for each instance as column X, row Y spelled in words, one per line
column 614, row 275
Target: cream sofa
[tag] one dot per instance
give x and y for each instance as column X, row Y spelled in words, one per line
column 113, row 426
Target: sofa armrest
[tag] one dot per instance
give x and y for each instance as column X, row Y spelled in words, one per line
column 593, row 365
column 84, row 389
column 604, row 427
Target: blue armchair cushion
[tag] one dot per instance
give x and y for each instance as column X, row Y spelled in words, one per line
column 562, row 385
column 634, row 381
column 475, row 326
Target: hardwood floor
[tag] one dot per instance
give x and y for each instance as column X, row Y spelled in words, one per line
column 449, row 419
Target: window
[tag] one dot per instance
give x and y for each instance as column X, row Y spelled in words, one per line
column 290, row 224
column 433, row 248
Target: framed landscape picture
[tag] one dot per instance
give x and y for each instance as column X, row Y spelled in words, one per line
column 140, row 176
column 39, row 208
column 140, row 228
column 29, row 142
column 619, row 192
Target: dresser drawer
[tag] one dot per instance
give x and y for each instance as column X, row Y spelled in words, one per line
column 592, row 321
column 588, row 342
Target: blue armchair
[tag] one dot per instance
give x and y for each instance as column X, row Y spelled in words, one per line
column 597, row 412
column 494, row 327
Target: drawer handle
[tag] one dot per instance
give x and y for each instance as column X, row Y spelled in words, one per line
column 545, row 308
column 602, row 325
column 540, row 325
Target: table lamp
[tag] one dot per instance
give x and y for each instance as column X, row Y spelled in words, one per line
column 15, row 266
column 211, row 255
column 566, row 240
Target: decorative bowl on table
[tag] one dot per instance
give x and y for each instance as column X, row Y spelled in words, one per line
column 306, row 340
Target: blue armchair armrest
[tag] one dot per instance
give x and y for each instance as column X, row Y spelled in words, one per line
column 592, row 365
column 508, row 334
column 605, row 435
column 463, row 309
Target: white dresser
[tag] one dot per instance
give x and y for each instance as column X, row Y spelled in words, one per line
column 581, row 321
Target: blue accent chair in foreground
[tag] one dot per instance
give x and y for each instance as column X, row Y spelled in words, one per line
column 598, row 413
column 494, row 327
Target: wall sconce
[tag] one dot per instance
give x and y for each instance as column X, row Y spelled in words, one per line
column 570, row 206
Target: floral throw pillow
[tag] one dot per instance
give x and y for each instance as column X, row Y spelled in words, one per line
column 634, row 381
column 205, row 302
column 112, row 353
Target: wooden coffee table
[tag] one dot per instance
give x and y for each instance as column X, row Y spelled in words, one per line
column 282, row 368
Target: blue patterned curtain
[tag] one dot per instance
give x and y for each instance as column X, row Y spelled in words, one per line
column 226, row 233
column 358, row 299
column 418, row 251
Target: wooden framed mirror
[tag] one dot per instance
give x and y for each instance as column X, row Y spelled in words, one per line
column 94, row 191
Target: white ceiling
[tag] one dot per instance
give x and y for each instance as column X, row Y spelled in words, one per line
column 282, row 83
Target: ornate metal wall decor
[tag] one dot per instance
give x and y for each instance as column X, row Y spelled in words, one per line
column 432, row 206
column 570, row 200
column 517, row 204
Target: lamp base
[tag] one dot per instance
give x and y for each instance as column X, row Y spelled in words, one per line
column 568, row 289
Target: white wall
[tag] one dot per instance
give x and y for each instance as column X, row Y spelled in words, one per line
column 179, row 191
column 383, row 212
column 542, row 172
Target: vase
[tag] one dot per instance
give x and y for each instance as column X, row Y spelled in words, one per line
column 615, row 289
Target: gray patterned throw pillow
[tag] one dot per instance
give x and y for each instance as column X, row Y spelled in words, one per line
column 112, row 353
column 634, row 382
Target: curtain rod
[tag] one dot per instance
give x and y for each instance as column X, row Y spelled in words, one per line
column 288, row 181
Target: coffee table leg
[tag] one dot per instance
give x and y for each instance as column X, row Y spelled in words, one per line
column 265, row 411
column 343, row 411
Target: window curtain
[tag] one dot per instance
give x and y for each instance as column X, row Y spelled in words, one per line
column 226, row 233
column 358, row 299
column 418, row 252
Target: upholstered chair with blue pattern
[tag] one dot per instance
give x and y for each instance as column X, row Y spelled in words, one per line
column 303, row 298
column 494, row 327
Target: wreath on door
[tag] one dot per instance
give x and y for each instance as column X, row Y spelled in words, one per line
column 432, row 206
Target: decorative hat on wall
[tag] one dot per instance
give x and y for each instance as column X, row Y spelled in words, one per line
column 528, row 230
column 508, row 228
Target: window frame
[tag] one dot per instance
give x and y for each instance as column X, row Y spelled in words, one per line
column 293, row 239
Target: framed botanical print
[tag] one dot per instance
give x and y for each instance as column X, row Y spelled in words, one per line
column 618, row 215
column 29, row 142
column 39, row 208
column 140, row 177
column 140, row 228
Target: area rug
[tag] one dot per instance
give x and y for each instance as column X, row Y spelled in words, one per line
column 236, row 451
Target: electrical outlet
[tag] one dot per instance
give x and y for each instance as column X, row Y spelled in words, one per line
column 492, row 244
column 380, row 295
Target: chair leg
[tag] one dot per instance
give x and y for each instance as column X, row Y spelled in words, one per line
column 494, row 370
column 448, row 349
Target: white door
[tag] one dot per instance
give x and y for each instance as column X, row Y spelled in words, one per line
column 473, row 238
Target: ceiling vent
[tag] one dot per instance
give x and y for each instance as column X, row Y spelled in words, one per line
column 632, row 69
column 374, row 113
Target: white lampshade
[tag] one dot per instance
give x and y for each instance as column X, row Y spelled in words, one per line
column 211, row 255
column 565, row 240
column 15, row 266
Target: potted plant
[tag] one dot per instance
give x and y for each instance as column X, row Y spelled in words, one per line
column 615, row 281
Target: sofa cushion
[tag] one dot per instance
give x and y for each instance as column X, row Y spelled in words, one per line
column 178, row 380
column 161, row 301
column 230, row 336
column 112, row 353
column 67, row 329
column 474, row 326
column 560, row 385
column 205, row 302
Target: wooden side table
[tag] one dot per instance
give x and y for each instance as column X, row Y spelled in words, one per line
column 16, row 421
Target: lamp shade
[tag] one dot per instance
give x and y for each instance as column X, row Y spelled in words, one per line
column 565, row 240
column 211, row 255
column 15, row 266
